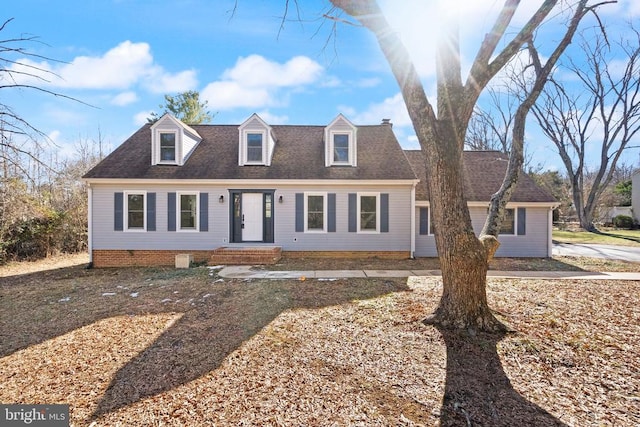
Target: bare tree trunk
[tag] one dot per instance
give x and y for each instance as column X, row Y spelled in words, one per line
column 463, row 256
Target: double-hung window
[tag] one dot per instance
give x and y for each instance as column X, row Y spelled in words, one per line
column 315, row 205
column 508, row 225
column 254, row 148
column 368, row 212
column 167, row 147
column 340, row 148
column 188, row 211
column 135, row 209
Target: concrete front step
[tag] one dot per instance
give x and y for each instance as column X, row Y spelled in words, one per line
column 259, row 255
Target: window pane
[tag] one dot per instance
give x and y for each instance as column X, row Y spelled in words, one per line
column 167, row 146
column 508, row 223
column 254, row 147
column 315, row 212
column 368, row 213
column 135, row 211
column 188, row 212
column 340, row 148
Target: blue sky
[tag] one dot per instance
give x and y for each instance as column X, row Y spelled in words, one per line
column 122, row 56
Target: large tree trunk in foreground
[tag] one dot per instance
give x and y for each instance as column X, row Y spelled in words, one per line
column 463, row 256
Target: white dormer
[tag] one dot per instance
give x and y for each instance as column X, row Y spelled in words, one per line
column 340, row 143
column 256, row 143
column 172, row 142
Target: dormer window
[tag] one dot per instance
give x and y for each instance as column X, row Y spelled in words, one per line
column 340, row 143
column 167, row 147
column 256, row 143
column 172, row 142
column 254, row 148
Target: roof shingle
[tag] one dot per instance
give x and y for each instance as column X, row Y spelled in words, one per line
column 298, row 154
column 484, row 172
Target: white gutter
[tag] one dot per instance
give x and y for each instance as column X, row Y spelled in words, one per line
column 253, row 183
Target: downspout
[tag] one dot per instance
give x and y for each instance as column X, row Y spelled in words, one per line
column 413, row 219
column 550, row 233
column 89, row 224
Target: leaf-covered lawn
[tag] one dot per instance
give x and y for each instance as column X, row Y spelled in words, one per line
column 184, row 347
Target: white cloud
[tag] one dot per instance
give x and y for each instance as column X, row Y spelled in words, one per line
column 226, row 95
column 256, row 82
column 391, row 108
column 160, row 81
column 273, row 119
column 124, row 98
column 257, row 71
column 141, row 118
column 121, row 67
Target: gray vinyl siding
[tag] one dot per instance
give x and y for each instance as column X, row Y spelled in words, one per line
column 398, row 238
column 532, row 244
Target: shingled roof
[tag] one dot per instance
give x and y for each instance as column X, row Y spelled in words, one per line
column 299, row 154
column 484, row 172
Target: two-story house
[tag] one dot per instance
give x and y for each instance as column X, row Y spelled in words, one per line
column 331, row 190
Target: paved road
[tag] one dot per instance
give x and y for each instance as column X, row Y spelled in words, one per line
column 624, row 253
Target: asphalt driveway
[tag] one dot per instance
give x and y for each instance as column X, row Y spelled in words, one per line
column 624, row 253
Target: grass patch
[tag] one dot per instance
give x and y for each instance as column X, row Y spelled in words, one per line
column 604, row 237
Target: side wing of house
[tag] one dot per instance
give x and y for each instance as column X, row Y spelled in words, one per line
column 527, row 226
column 526, row 230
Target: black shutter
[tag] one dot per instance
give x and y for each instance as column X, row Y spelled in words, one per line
column 299, row 212
column 151, row 211
column 522, row 221
column 353, row 214
column 384, row 213
column 204, row 211
column 118, row 208
column 331, row 212
column 171, row 211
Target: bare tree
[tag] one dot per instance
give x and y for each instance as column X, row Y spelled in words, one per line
column 463, row 256
column 601, row 113
column 21, row 143
column 490, row 128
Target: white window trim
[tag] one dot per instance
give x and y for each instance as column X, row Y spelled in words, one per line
column 196, row 227
column 324, row 212
column 176, row 148
column 349, row 160
column 358, row 212
column 245, row 145
column 125, row 211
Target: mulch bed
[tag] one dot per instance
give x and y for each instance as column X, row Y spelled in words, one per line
column 185, row 347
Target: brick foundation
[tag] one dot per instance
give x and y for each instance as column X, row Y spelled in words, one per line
column 143, row 258
column 228, row 256
column 348, row 254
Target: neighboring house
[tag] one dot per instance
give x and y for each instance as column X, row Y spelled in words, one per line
column 635, row 195
column 332, row 190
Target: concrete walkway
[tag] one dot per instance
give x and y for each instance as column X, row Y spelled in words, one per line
column 250, row 272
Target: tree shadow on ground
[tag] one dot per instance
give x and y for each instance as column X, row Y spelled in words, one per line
column 201, row 340
column 477, row 390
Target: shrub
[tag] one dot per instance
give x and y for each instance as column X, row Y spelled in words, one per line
column 623, row 221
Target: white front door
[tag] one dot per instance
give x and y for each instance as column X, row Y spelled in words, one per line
column 252, row 219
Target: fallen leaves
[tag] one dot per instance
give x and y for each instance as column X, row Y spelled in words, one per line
column 193, row 350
